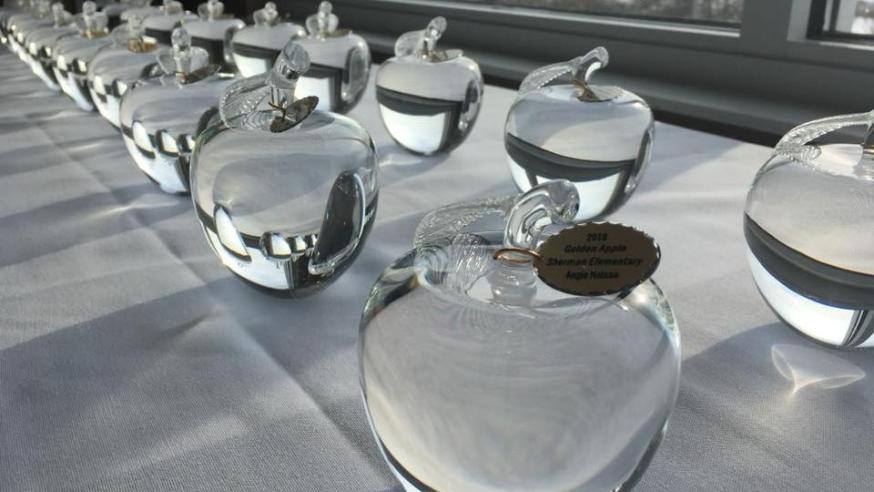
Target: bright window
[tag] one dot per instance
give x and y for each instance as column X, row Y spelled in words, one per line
column 720, row 12
column 846, row 17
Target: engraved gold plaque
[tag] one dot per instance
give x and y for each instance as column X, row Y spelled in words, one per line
column 597, row 258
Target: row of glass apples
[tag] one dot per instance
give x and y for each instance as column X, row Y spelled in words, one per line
column 448, row 328
column 264, row 162
column 162, row 98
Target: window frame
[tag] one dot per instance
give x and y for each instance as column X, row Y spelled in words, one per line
column 817, row 25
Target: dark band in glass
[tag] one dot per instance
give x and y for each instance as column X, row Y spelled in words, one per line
column 554, row 166
column 808, row 277
column 425, row 106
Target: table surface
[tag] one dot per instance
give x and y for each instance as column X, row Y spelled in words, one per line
column 130, row 359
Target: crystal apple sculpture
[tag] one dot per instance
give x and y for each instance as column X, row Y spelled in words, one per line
column 478, row 376
column 161, row 116
column 213, row 32
column 598, row 137
column 286, row 194
column 40, row 41
column 71, row 55
column 340, row 65
column 806, row 225
column 256, row 47
column 115, row 68
column 428, row 99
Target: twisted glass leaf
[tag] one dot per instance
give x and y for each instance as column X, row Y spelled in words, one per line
column 580, row 68
column 807, row 132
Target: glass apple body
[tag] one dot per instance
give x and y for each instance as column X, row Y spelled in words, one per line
column 478, row 376
column 600, row 138
column 806, row 224
column 267, row 201
column 160, row 118
column 286, row 194
column 428, row 99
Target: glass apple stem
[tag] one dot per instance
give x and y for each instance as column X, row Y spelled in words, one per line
column 551, row 203
column 803, row 134
column 431, row 35
column 580, row 68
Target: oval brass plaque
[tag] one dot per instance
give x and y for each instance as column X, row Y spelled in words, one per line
column 597, row 258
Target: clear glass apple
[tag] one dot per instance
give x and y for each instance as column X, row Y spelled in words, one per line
column 20, row 24
column 428, row 99
column 478, row 376
column 116, row 68
column 8, row 10
column 807, row 227
column 598, row 137
column 71, row 54
column 40, row 41
column 256, row 47
column 286, row 194
column 161, row 115
column 340, row 65
column 213, row 32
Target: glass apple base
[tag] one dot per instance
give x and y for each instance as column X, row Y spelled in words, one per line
column 275, row 263
column 412, row 484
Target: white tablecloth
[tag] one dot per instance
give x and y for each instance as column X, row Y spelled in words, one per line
column 130, row 359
